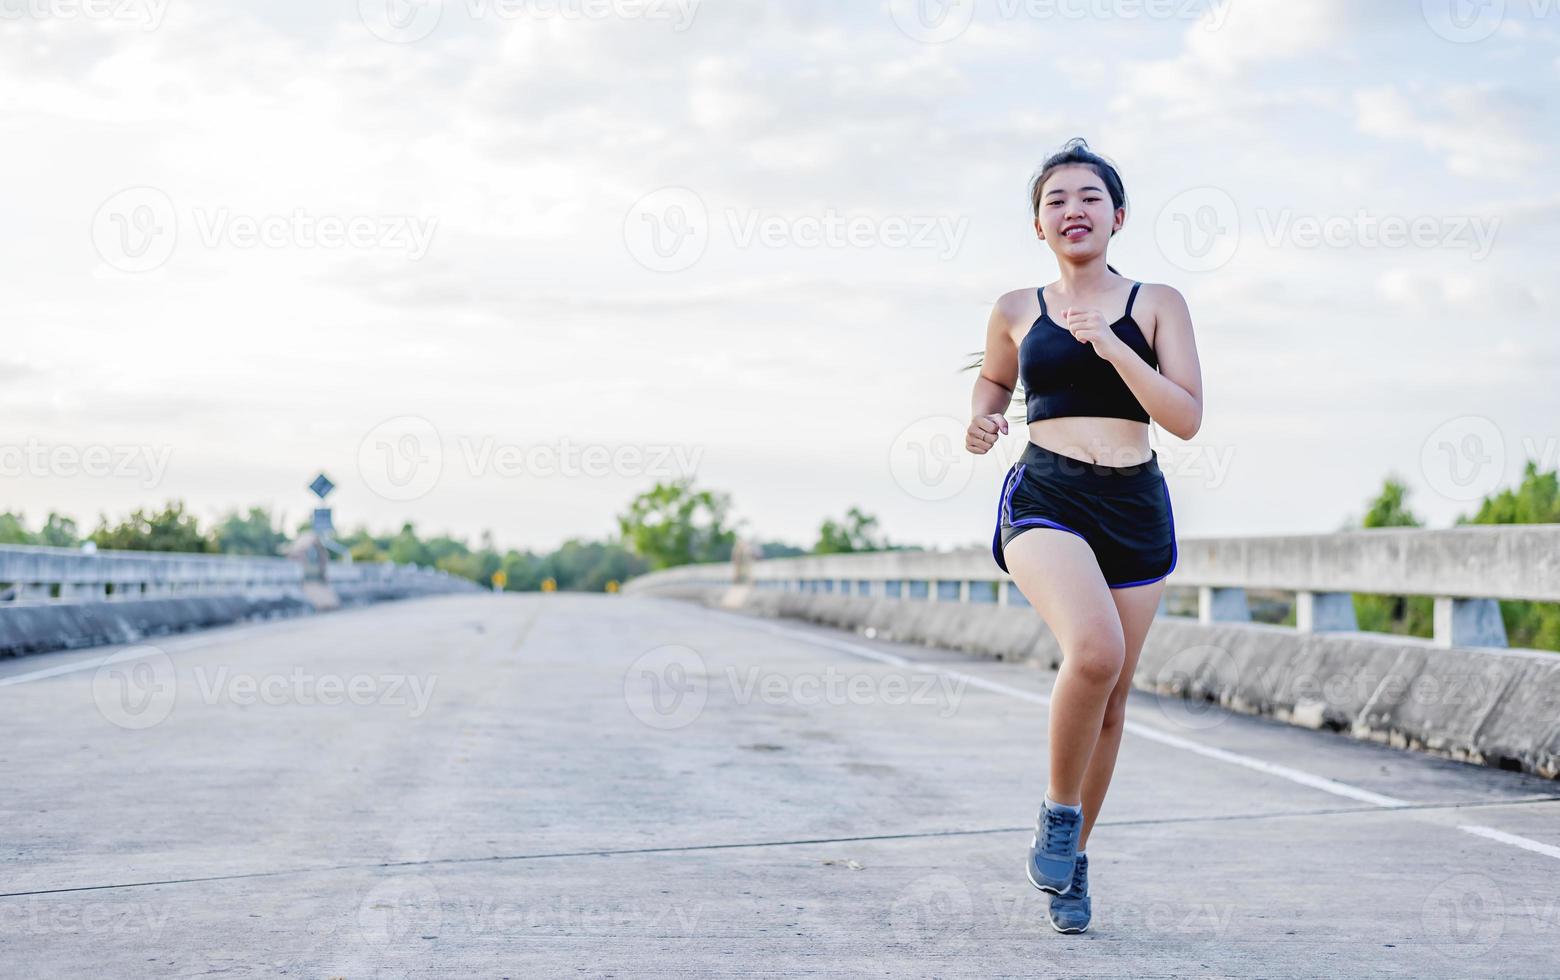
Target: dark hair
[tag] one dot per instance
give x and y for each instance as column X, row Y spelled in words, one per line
column 1076, row 152
column 1073, row 153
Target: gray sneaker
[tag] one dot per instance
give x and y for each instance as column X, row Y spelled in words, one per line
column 1053, row 852
column 1071, row 910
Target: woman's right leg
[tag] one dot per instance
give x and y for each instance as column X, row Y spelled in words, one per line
column 1057, row 572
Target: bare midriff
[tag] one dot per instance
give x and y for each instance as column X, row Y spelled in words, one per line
column 1094, row 439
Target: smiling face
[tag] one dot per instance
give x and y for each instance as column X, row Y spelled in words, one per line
column 1076, row 216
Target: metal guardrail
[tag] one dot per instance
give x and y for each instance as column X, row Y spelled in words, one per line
column 30, row 573
column 1466, row 569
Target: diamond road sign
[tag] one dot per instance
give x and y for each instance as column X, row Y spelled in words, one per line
column 321, row 486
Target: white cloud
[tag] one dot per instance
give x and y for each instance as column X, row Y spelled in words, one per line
column 1486, row 128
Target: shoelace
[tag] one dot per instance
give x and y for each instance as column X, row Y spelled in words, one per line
column 1076, row 886
column 1058, row 828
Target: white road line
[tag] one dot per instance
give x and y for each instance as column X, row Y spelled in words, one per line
column 1299, row 776
column 1512, row 839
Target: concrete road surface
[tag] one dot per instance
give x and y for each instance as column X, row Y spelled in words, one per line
column 589, row 785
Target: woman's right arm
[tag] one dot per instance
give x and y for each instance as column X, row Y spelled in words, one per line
column 995, row 385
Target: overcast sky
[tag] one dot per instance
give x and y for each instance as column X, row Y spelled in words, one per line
column 503, row 265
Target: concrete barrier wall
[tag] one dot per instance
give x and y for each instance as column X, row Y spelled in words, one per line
column 1484, row 705
column 40, row 627
column 156, row 593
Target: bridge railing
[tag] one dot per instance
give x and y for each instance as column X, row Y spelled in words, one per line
column 1466, row 569
column 30, row 573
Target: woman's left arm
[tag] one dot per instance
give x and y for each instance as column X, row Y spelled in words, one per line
column 1172, row 396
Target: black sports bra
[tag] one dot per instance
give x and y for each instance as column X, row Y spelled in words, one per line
column 1064, row 377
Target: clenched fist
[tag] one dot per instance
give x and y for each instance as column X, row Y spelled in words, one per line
column 983, row 432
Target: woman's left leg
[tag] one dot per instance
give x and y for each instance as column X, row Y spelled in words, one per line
column 1136, row 606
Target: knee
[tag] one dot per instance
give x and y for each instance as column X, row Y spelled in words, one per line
column 1097, row 658
column 1116, row 710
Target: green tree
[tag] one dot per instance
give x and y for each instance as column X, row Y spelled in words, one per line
column 857, row 532
column 1404, row 615
column 672, row 524
column 13, row 529
column 1536, row 500
column 59, row 531
column 251, row 534
column 407, row 549
column 171, row 529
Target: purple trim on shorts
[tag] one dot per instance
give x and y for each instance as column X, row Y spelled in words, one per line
column 996, row 536
column 1175, row 551
column 1005, row 506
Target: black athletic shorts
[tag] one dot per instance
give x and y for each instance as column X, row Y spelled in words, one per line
column 1122, row 512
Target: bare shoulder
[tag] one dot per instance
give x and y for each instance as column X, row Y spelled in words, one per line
column 1015, row 304
column 1158, row 296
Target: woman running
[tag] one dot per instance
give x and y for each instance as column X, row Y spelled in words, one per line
column 1084, row 525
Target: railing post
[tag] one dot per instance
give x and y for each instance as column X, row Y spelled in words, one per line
column 1325, row 612
column 1463, row 622
column 1216, row 604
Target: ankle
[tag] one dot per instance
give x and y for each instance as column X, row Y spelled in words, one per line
column 1054, row 803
